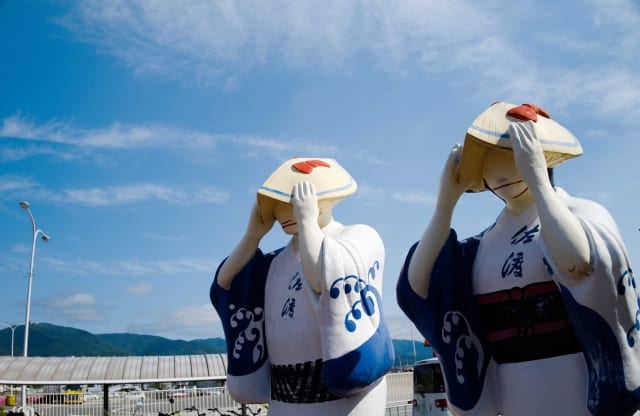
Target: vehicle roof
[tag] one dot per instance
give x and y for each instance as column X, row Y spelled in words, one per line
column 433, row 360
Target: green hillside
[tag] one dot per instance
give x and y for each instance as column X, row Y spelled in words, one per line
column 47, row 340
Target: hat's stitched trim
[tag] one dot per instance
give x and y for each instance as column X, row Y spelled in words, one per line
column 507, row 137
column 328, row 191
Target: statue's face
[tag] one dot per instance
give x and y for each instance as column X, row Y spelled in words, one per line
column 500, row 173
column 284, row 215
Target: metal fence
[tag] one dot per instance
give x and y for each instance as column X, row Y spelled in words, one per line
column 180, row 402
column 205, row 401
column 399, row 394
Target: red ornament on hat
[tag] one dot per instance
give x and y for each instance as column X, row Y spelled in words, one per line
column 526, row 112
column 308, row 165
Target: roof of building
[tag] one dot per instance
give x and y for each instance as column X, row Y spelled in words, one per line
column 112, row 370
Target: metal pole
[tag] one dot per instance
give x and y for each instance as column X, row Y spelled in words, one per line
column 413, row 344
column 13, row 329
column 25, row 205
column 28, row 311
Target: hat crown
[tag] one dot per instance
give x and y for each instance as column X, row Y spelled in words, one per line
column 330, row 180
column 491, row 129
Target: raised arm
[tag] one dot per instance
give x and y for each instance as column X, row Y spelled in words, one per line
column 310, row 236
column 561, row 230
column 246, row 249
column 437, row 231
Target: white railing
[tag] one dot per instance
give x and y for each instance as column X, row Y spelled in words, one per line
column 208, row 401
column 399, row 394
column 182, row 402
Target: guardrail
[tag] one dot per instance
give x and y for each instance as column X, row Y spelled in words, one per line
column 209, row 401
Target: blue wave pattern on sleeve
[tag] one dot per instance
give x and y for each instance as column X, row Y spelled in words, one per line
column 241, row 311
column 607, row 392
column 361, row 367
column 448, row 319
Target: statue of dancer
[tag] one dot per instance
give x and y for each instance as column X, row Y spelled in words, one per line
column 303, row 324
column 537, row 314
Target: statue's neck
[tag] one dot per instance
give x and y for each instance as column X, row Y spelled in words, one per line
column 518, row 205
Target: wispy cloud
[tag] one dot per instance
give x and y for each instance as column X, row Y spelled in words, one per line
column 142, row 288
column 219, row 41
column 193, row 316
column 10, row 183
column 281, row 149
column 214, row 38
column 75, row 300
column 370, row 195
column 78, row 307
column 77, row 142
column 163, row 237
column 118, row 195
column 130, row 267
column 415, row 197
column 11, row 186
column 190, row 320
column 116, row 136
column 400, row 327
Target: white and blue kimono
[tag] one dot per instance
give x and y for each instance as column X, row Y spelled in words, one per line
column 305, row 353
column 515, row 336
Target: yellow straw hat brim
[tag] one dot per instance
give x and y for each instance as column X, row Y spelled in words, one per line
column 491, row 130
column 330, row 180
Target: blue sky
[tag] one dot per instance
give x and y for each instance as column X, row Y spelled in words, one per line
column 140, row 132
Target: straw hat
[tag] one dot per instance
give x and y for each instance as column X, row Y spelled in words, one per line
column 491, row 129
column 330, row 180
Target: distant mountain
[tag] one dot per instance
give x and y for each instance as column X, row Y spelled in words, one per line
column 47, row 340
column 153, row 345
column 405, row 352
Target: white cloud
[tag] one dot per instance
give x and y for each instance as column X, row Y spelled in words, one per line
column 163, row 237
column 193, row 316
column 280, row 150
column 370, row 195
column 415, row 197
column 114, row 195
column 83, row 267
column 10, row 183
column 214, row 39
column 130, row 137
column 75, row 307
column 116, row 136
column 139, row 288
column 71, row 301
column 219, row 41
column 118, row 195
column 131, row 267
column 199, row 321
column 13, row 187
column 400, row 327
column 12, row 154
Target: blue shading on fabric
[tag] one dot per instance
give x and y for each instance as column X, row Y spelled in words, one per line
column 359, row 368
column 246, row 293
column 449, row 319
column 607, row 392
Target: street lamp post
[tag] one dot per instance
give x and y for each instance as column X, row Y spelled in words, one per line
column 25, row 205
column 13, row 330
